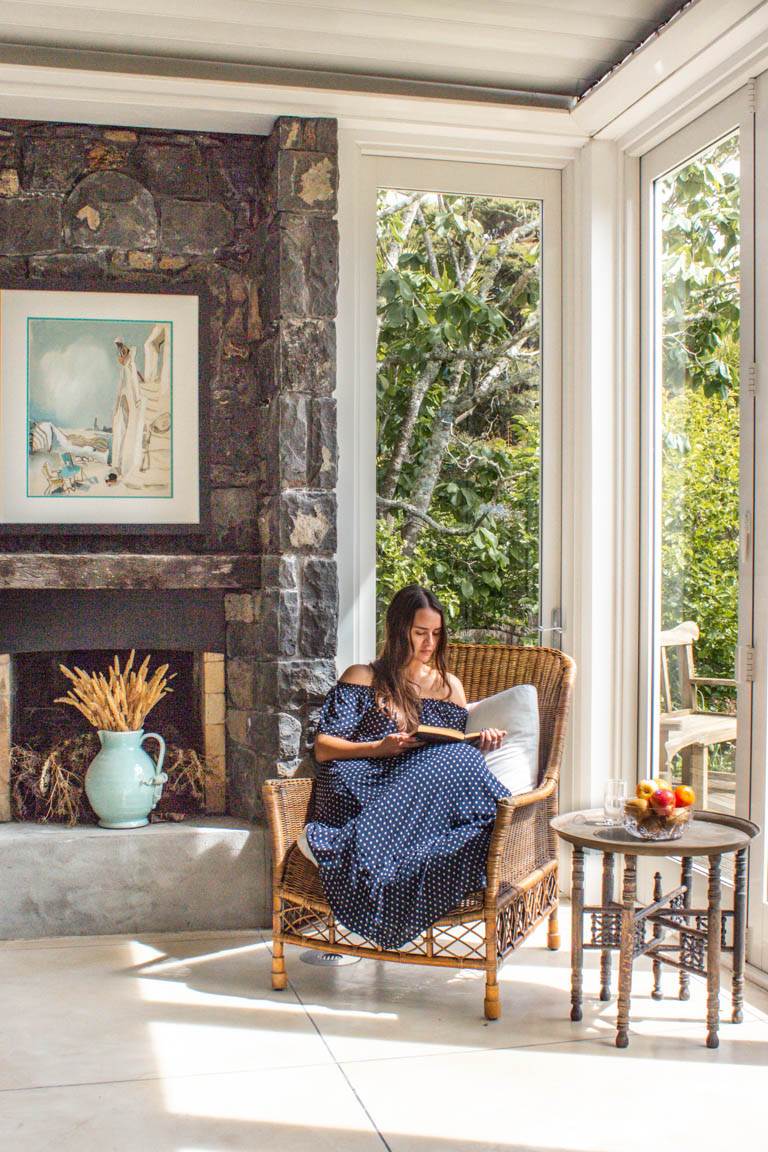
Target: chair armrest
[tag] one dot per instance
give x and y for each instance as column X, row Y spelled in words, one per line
column 715, row 681
column 287, row 804
column 521, row 841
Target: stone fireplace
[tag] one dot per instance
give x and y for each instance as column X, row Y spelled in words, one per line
column 249, row 599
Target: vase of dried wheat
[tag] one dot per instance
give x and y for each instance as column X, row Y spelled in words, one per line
column 123, row 783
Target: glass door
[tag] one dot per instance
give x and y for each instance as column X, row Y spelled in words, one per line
column 699, row 435
column 467, row 411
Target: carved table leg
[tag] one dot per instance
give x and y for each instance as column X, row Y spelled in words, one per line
column 686, row 877
column 714, row 928
column 626, row 955
column 577, row 931
column 739, row 934
column 607, row 900
column 656, row 993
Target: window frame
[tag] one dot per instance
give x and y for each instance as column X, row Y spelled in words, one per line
column 357, row 370
column 735, row 112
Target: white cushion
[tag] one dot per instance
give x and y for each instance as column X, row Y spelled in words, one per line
column 516, row 762
column 303, row 845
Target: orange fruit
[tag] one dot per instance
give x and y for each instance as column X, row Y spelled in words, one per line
column 684, row 796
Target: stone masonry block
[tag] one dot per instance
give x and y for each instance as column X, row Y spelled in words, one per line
column 321, row 468
column 172, row 170
column 307, row 350
column 292, row 439
column 188, row 226
column 303, row 682
column 109, row 209
column 54, row 164
column 246, row 772
column 242, row 683
column 319, row 608
column 277, row 735
column 238, row 608
column 310, row 135
column 309, row 265
column 243, row 639
column 278, row 622
column 307, row 521
column 214, row 676
column 29, row 226
column 234, row 513
column 68, row 264
column 279, row 572
column 301, row 182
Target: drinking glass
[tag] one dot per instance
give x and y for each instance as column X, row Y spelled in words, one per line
column 614, row 795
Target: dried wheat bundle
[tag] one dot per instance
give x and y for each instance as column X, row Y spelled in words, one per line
column 120, row 701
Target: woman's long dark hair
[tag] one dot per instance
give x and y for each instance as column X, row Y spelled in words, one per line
column 393, row 692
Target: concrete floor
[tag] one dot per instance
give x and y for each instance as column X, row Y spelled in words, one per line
column 177, row 1042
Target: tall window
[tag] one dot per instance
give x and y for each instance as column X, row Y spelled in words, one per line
column 459, row 406
column 698, row 294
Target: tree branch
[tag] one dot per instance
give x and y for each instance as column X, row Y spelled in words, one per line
column 412, row 511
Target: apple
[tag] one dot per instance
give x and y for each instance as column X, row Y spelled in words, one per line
column 662, row 799
column 645, row 789
column 684, row 796
column 662, row 784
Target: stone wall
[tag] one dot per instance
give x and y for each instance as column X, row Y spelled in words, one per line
column 87, row 205
column 252, row 220
column 282, row 640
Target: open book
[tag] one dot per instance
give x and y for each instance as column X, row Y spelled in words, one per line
column 429, row 734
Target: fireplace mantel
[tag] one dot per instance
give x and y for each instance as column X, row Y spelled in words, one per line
column 113, row 570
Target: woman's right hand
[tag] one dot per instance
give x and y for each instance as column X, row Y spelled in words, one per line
column 396, row 743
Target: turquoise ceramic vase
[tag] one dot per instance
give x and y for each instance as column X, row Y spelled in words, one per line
column 123, row 783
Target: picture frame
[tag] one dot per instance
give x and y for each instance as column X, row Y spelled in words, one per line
column 101, row 417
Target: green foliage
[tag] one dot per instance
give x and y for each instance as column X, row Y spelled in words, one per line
column 458, row 327
column 700, row 402
column 700, row 539
column 459, row 390
column 700, row 205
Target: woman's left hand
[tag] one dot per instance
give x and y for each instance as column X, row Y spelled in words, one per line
column 491, row 738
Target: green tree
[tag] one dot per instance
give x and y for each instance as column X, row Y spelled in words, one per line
column 458, row 378
column 700, row 253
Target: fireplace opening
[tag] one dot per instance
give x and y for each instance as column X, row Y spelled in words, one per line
column 51, row 744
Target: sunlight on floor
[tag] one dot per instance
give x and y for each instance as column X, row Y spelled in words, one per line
column 202, row 1056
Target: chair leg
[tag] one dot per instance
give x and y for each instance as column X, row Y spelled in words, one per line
column 492, row 1002
column 553, row 933
column 279, row 976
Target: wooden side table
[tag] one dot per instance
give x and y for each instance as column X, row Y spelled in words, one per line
column 700, row 933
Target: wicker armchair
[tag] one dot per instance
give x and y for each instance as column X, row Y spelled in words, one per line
column 522, row 886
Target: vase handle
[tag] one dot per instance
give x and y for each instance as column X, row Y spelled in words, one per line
column 161, row 776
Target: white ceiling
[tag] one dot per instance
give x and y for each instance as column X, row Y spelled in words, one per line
column 554, row 49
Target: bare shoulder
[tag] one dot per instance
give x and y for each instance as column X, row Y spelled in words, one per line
column 358, row 674
column 458, row 695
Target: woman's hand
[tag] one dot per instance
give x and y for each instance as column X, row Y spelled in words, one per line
column 396, row 743
column 491, row 738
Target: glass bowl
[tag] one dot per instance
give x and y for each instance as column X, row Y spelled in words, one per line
column 653, row 826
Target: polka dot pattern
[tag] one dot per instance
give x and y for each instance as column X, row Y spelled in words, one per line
column 399, row 840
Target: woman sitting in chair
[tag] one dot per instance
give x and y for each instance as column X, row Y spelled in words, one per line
column 400, row 829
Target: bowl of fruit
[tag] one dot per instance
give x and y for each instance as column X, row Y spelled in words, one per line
column 658, row 810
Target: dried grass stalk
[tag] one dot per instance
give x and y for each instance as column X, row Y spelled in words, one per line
column 120, row 701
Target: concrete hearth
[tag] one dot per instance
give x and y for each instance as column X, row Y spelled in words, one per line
column 204, row 874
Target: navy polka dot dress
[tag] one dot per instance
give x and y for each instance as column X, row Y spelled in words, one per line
column 399, row 840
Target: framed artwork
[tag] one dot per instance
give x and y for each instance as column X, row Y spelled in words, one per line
column 99, row 409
